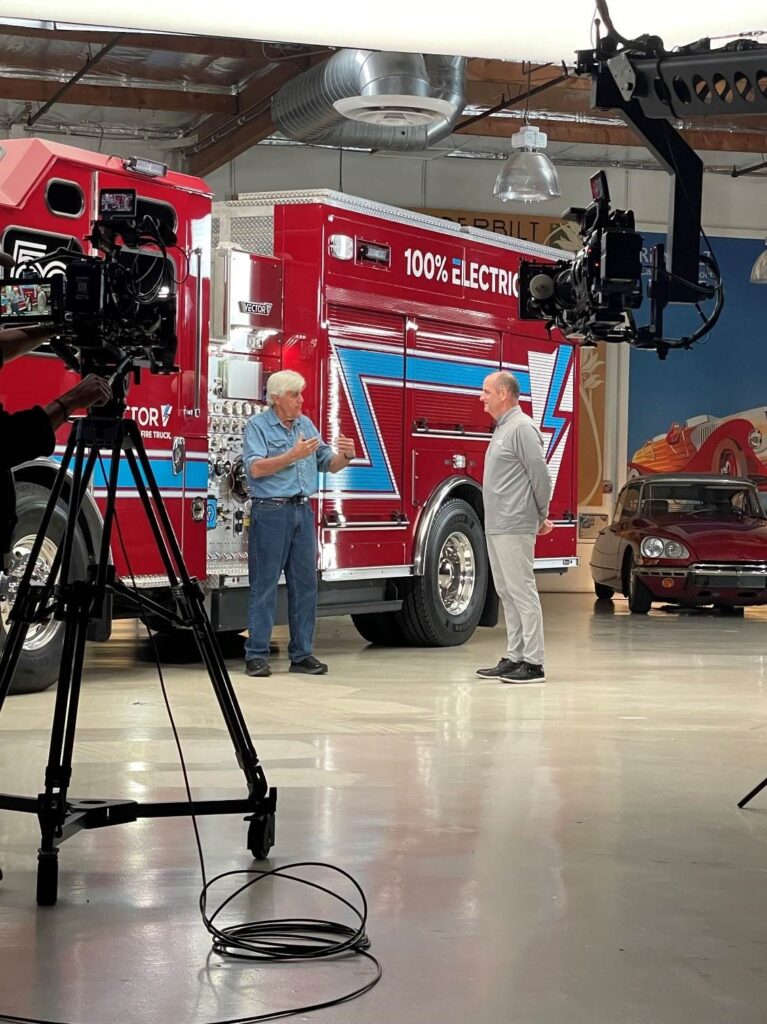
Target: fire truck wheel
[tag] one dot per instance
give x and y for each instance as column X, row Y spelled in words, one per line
column 382, row 628
column 38, row 666
column 444, row 606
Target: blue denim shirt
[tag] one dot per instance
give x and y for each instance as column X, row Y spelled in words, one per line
column 266, row 436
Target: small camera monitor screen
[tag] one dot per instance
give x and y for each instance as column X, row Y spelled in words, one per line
column 117, row 204
column 25, row 298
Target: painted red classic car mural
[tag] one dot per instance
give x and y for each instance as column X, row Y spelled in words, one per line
column 690, row 540
column 733, row 445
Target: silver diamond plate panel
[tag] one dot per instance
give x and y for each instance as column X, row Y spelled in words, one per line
column 254, row 234
column 258, row 200
column 251, row 230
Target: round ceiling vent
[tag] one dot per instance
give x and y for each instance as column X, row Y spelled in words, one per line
column 395, row 111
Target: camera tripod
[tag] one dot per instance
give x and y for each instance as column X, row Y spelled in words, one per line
column 80, row 601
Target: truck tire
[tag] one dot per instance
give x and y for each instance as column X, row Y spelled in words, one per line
column 443, row 607
column 381, row 628
column 38, row 666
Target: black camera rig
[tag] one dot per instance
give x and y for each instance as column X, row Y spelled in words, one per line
column 592, row 297
column 112, row 311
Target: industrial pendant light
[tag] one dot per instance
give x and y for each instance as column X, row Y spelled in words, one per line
column 528, row 175
column 759, row 269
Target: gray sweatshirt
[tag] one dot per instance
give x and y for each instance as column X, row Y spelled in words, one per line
column 516, row 486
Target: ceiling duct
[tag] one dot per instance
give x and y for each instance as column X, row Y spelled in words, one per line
column 373, row 100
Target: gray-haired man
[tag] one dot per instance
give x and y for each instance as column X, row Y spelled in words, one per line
column 283, row 454
column 516, row 489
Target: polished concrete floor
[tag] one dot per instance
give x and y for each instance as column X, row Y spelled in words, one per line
column 567, row 853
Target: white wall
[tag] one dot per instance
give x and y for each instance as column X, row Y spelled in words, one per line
column 731, row 206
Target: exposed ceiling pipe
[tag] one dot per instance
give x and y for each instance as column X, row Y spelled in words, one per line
column 91, row 62
column 399, row 101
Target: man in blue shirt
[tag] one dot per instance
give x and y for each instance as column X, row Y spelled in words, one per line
column 283, row 454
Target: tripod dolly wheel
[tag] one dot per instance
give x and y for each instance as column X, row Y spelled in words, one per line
column 47, row 877
column 261, row 835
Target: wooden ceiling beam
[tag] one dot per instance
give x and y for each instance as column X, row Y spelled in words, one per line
column 559, row 97
column 210, row 46
column 225, row 138
column 231, row 145
column 136, row 98
column 615, row 135
column 513, row 71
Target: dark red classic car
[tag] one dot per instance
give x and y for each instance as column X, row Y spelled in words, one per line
column 687, row 540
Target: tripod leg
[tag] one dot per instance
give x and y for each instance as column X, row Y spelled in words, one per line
column 52, row 806
column 754, row 792
column 75, row 602
column 28, row 604
column 194, row 609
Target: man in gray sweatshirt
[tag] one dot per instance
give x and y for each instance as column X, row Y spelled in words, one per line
column 516, row 489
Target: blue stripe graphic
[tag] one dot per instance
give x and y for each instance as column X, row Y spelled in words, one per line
column 357, row 363
column 360, row 365
column 449, row 373
column 550, row 418
column 196, row 473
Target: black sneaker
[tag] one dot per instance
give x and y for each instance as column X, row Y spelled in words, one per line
column 525, row 672
column 504, row 666
column 309, row 666
column 257, row 667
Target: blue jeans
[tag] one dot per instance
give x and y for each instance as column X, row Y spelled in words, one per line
column 281, row 538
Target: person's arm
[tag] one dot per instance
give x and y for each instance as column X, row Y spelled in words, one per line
column 92, row 390
column 17, row 341
column 330, row 461
column 530, row 452
column 268, row 466
column 255, row 449
column 29, row 434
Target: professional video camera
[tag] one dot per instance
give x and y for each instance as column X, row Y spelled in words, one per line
column 109, row 312
column 589, row 296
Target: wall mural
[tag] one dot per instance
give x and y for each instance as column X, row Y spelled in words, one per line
column 705, row 410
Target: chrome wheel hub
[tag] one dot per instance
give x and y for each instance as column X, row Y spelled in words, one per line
column 39, row 634
column 457, row 573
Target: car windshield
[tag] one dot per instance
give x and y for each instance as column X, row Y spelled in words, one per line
column 699, row 498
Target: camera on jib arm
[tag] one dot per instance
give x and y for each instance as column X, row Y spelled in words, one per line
column 113, row 312
column 589, row 297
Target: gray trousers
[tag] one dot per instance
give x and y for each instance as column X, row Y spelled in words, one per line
column 512, row 560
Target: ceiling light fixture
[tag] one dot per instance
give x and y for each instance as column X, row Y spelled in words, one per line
column 528, row 176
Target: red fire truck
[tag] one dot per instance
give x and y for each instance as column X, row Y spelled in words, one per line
column 393, row 318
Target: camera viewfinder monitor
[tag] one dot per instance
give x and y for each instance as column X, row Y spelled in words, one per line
column 117, row 204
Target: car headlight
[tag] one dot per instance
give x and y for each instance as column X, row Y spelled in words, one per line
column 657, row 547
column 676, row 550
column 652, row 547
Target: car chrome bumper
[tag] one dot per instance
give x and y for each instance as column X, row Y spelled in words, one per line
column 710, row 576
